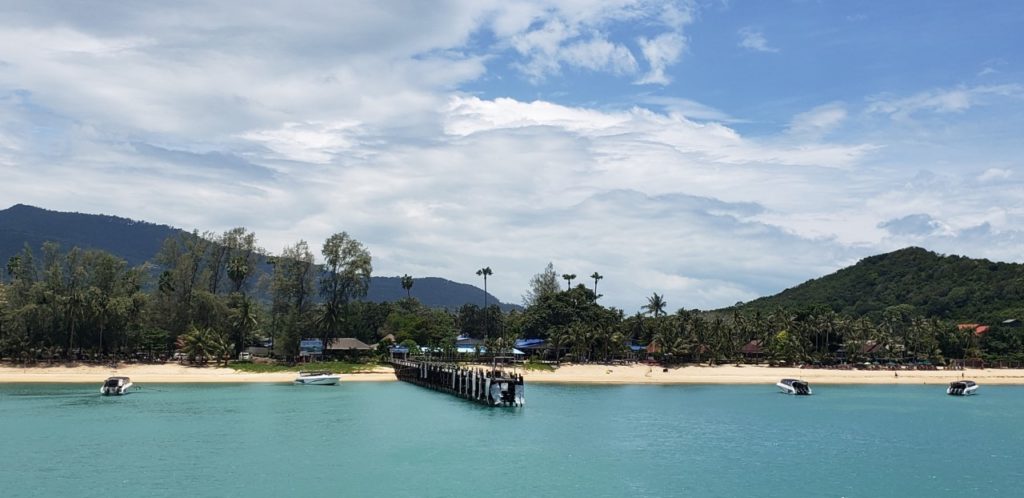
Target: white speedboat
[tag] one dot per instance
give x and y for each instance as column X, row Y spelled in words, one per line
column 961, row 388
column 317, row 378
column 794, row 386
column 116, row 386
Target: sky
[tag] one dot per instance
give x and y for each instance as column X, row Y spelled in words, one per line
column 709, row 151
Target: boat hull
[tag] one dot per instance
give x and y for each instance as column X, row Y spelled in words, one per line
column 318, row 381
column 116, row 391
column 801, row 389
column 961, row 392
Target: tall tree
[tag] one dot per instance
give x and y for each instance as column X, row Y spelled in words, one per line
column 542, row 284
column 485, row 272
column 596, row 276
column 407, row 285
column 292, row 290
column 346, row 276
column 569, row 277
column 655, row 305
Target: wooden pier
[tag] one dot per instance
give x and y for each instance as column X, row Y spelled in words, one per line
column 488, row 387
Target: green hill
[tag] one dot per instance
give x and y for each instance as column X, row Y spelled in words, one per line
column 138, row 242
column 952, row 287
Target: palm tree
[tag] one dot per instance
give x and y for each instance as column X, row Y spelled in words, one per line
column 407, row 285
column 243, row 321
column 485, row 272
column 596, row 276
column 655, row 305
column 569, row 277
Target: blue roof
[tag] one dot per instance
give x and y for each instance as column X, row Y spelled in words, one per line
column 526, row 343
column 399, row 349
column 634, row 347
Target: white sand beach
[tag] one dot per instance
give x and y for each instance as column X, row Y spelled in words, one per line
column 569, row 374
column 757, row 374
column 159, row 373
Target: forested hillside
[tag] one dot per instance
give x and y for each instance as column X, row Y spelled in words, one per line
column 138, row 242
column 950, row 287
column 135, row 241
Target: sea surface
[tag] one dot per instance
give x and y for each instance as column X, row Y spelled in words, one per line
column 396, row 439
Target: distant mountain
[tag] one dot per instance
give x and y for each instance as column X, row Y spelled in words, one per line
column 952, row 287
column 139, row 241
column 432, row 292
column 135, row 241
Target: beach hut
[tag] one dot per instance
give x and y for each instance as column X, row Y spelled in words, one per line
column 753, row 351
column 348, row 347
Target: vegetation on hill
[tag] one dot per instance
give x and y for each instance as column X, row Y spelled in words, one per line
column 139, row 242
column 208, row 297
column 947, row 287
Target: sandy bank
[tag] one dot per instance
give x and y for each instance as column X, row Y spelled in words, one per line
column 166, row 373
column 752, row 374
column 568, row 374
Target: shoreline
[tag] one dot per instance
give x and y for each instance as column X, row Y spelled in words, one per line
column 167, row 373
column 635, row 374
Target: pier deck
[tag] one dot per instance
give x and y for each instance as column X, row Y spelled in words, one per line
column 492, row 387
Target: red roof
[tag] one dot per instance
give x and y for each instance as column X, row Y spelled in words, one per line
column 978, row 328
column 752, row 347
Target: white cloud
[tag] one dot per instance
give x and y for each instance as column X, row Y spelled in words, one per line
column 301, row 121
column 818, row 121
column 598, row 54
column 753, row 39
column 995, row 174
column 661, row 52
column 576, row 35
column 951, row 100
column 313, row 142
column 689, row 109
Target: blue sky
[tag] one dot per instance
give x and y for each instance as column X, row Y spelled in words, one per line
column 710, row 151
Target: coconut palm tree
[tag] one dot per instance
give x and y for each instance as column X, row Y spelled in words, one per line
column 569, row 277
column 407, row 285
column 655, row 305
column 596, row 276
column 485, row 272
column 243, row 322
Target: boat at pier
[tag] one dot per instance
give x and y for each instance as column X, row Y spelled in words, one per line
column 490, row 387
column 317, row 378
column 962, row 388
column 794, row 386
column 116, row 386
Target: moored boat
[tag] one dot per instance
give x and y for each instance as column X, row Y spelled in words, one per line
column 794, row 386
column 116, row 386
column 961, row 388
column 317, row 378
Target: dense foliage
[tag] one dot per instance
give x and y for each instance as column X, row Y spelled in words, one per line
column 138, row 242
column 200, row 301
column 948, row 287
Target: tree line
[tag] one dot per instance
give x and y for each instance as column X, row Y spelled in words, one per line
column 209, row 296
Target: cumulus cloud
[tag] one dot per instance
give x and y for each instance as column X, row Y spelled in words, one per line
column 992, row 174
column 298, row 122
column 661, row 52
column 753, row 39
column 577, row 35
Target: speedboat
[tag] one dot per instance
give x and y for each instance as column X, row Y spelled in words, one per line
column 794, row 386
column 116, row 386
column 961, row 388
column 317, row 378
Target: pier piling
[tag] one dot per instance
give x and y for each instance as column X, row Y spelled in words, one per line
column 488, row 387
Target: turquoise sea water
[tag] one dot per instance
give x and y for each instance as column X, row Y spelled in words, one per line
column 395, row 439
